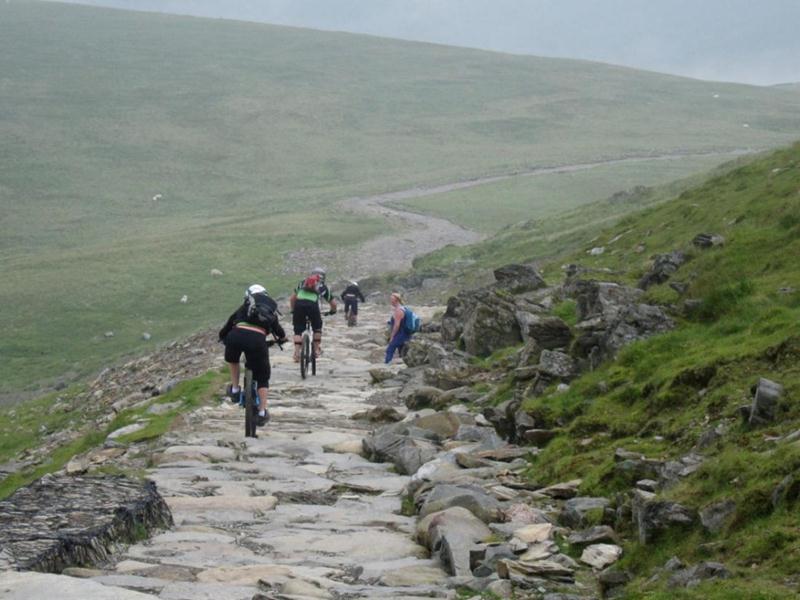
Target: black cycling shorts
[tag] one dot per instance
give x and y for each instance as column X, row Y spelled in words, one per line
column 350, row 304
column 256, row 352
column 303, row 309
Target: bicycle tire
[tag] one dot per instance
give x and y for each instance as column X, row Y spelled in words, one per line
column 249, row 405
column 304, row 350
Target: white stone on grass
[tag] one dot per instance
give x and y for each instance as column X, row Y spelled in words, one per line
column 126, row 431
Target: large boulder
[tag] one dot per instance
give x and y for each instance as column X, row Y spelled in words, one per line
column 470, row 497
column 652, row 516
column 693, row 576
column 449, row 373
column 583, row 512
column 547, row 332
column 600, row 299
column 444, row 424
column 407, row 447
column 555, row 366
column 766, row 396
column 450, row 534
column 503, row 418
column 716, row 516
column 481, row 321
column 490, row 326
column 664, row 265
column 423, row 351
column 517, row 279
column 610, row 317
column 422, row 397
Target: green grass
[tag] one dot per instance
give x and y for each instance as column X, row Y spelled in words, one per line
column 661, row 394
column 552, row 241
column 250, row 133
column 27, row 426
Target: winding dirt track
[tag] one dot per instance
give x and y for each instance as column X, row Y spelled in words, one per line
column 409, row 234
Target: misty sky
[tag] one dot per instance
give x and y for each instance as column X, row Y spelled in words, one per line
column 730, row 40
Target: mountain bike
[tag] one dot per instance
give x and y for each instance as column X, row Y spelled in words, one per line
column 307, row 355
column 249, row 400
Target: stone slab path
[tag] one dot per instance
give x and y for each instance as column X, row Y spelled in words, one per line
column 296, row 513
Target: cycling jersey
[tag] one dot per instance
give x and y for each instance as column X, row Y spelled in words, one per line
column 303, row 294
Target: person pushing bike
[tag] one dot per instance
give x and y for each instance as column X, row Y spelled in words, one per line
column 305, row 305
column 246, row 331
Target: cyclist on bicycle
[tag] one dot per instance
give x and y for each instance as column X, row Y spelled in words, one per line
column 246, row 331
column 350, row 296
column 305, row 305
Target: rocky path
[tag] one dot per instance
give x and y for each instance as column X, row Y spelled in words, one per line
column 296, row 513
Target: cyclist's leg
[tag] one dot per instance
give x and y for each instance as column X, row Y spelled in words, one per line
column 257, row 354
column 298, row 326
column 233, row 352
column 316, row 327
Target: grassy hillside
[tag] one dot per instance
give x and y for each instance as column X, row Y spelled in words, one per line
column 542, row 196
column 662, row 394
column 552, row 239
column 248, row 133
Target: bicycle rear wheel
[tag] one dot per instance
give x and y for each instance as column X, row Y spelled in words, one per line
column 249, row 405
column 304, row 355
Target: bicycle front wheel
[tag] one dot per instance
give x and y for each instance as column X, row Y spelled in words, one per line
column 249, row 405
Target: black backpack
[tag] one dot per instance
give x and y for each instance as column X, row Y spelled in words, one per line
column 262, row 311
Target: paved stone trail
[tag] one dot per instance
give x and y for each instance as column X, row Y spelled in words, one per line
column 297, row 508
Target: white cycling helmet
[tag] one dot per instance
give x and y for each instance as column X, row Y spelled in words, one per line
column 254, row 289
column 354, row 282
column 319, row 271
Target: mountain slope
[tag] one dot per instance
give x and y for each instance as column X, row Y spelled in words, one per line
column 140, row 151
column 678, row 395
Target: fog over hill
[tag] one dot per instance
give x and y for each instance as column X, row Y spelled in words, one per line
column 723, row 40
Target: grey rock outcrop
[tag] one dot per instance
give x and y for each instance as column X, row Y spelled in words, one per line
column 582, row 512
column 407, row 447
column 517, row 279
column 765, row 402
column 549, row 333
column 611, row 316
column 450, row 534
column 715, row 516
column 700, row 572
column 489, row 326
column 652, row 516
column 61, row 521
column 664, row 265
column 470, row 497
column 424, row 351
column 708, row 240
